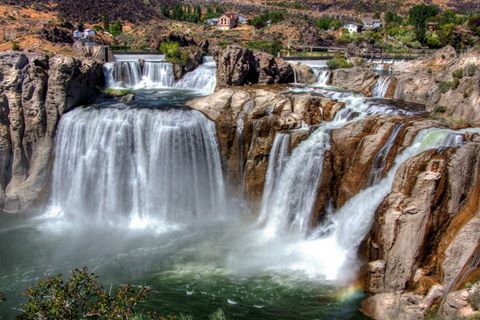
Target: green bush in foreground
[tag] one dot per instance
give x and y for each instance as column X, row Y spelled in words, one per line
column 81, row 297
column 339, row 63
column 171, row 50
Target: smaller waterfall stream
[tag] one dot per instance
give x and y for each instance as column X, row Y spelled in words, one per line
column 381, row 87
column 379, row 162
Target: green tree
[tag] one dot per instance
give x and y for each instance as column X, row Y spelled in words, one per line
column 116, row 28
column 80, row 297
column 392, row 19
column 418, row 17
column 106, row 22
column 165, row 11
column 177, row 13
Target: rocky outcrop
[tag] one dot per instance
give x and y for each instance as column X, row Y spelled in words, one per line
column 34, row 93
column 447, row 83
column 357, row 79
column 193, row 59
column 303, row 74
column 237, row 66
column 247, row 122
column 424, row 244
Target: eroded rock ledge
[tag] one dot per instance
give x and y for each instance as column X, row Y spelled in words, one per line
column 35, row 91
column 424, row 245
column 247, row 121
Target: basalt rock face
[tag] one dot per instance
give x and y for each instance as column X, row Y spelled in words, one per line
column 34, row 93
column 237, row 66
column 247, row 122
column 424, row 244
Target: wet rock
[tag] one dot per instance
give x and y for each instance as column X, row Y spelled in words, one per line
column 357, row 79
column 247, row 122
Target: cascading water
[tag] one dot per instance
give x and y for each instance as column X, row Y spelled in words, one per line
column 323, row 77
column 276, row 163
column 152, row 72
column 288, row 206
column 143, row 164
column 201, row 79
column 381, row 87
column 380, row 160
column 157, row 75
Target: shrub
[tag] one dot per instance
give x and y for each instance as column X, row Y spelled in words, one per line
column 327, row 23
column 440, row 109
column 218, row 315
column 272, row 47
column 339, row 63
column 474, row 298
column 458, row 74
column 80, row 297
column 171, row 50
column 470, row 70
column 116, row 92
column 15, row 46
column 445, row 86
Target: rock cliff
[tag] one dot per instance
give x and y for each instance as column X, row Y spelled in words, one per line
column 35, row 91
column 424, row 245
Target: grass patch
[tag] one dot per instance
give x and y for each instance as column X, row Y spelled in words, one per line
column 440, row 109
column 470, row 70
column 116, row 92
column 339, row 63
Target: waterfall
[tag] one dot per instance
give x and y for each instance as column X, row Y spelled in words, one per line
column 289, row 199
column 141, row 164
column 152, row 72
column 203, row 78
column 157, row 75
column 354, row 220
column 323, row 77
column 381, row 87
column 276, row 163
column 380, row 160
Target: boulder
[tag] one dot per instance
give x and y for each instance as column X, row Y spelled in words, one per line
column 237, row 66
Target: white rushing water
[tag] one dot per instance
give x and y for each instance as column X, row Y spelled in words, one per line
column 289, row 197
column 141, row 164
column 381, row 86
column 152, row 72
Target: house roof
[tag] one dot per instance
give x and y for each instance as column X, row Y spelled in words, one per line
column 370, row 20
column 230, row 16
column 88, row 30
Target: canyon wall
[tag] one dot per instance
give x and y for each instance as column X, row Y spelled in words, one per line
column 35, row 91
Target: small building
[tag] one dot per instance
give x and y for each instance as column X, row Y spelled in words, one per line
column 88, row 33
column 212, row 21
column 227, row 21
column 77, row 34
column 353, row 27
column 242, row 19
column 370, row 23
